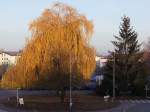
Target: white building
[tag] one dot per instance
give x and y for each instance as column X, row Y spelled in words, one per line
column 8, row 57
column 101, row 61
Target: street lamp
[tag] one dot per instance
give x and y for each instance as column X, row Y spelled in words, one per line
column 114, row 63
column 70, row 85
column 17, row 95
column 70, row 82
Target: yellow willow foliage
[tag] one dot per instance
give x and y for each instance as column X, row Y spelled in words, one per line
column 58, row 34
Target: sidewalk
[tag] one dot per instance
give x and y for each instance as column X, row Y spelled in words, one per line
column 126, row 104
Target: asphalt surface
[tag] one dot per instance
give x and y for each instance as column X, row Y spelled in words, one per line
column 145, row 107
column 131, row 106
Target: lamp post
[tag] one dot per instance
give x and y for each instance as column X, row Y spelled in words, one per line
column 17, row 95
column 70, row 81
column 114, row 63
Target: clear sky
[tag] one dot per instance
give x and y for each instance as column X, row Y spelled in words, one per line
column 15, row 16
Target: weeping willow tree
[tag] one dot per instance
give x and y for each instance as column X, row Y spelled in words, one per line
column 59, row 43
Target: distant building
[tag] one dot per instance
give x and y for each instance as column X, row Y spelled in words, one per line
column 9, row 57
column 98, row 74
column 101, row 60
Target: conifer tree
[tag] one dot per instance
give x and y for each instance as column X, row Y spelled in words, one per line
column 126, row 47
column 129, row 63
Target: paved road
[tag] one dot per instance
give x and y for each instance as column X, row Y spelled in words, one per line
column 136, row 105
column 131, row 106
column 10, row 93
column 140, row 108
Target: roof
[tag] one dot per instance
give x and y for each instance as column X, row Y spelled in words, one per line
column 11, row 53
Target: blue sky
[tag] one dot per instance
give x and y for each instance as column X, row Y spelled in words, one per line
column 16, row 15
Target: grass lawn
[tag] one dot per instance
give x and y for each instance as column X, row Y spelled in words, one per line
column 81, row 103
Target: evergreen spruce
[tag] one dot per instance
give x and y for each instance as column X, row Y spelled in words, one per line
column 126, row 47
column 130, row 66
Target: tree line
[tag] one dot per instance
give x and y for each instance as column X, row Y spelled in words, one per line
column 60, row 46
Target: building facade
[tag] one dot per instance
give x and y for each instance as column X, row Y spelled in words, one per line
column 8, row 57
column 100, row 63
column 101, row 60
